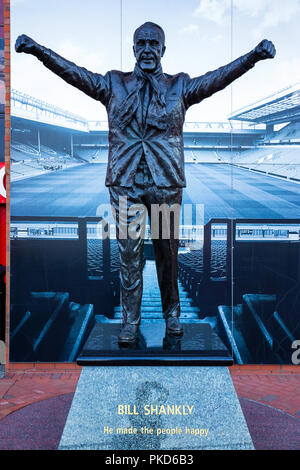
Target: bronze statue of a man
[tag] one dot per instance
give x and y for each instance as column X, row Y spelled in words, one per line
column 146, row 110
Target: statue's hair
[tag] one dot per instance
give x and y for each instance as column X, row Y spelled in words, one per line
column 150, row 24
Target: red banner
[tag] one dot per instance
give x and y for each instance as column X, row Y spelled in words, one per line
column 2, row 183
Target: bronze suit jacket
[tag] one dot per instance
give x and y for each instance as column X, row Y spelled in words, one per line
column 163, row 149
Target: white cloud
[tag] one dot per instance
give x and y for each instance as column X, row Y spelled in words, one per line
column 213, row 10
column 270, row 13
column 77, row 54
column 189, row 29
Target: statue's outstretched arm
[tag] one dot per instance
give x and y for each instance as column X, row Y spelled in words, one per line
column 196, row 89
column 93, row 84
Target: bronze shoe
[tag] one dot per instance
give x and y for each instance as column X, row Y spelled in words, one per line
column 129, row 333
column 173, row 326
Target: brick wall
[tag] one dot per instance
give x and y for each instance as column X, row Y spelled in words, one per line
column 6, row 35
column 275, row 369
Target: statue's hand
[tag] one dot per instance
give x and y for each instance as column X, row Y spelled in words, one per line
column 265, row 50
column 25, row 44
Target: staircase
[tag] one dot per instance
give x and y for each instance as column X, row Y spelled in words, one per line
column 151, row 303
column 151, row 309
column 199, row 344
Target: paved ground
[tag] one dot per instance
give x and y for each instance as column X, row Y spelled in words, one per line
column 277, row 390
column 20, row 389
column 271, row 402
column 225, row 192
column 34, row 407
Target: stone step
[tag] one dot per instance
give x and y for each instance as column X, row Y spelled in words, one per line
column 212, row 321
column 157, row 303
column 157, row 314
column 151, row 300
column 153, row 308
column 156, row 293
column 104, row 319
column 150, row 289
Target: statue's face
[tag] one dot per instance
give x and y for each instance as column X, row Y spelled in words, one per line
column 148, row 48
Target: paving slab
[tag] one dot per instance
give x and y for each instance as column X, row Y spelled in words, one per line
column 173, row 408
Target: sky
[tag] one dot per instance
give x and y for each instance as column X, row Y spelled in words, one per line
column 201, row 35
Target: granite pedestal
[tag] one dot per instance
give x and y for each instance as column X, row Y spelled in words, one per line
column 173, row 408
column 199, row 345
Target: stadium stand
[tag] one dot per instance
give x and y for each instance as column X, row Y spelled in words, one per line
column 30, row 159
column 265, row 140
column 92, row 155
column 278, row 153
column 201, row 156
column 289, row 134
column 274, row 161
column 248, row 139
column 95, row 258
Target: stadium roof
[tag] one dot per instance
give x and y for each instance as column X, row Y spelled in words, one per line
column 198, row 127
column 282, row 106
column 27, row 107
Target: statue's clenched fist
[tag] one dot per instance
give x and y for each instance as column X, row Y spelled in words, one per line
column 265, row 50
column 25, row 44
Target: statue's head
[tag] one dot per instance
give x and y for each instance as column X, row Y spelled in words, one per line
column 149, row 46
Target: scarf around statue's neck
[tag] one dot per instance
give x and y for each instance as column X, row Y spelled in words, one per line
column 156, row 113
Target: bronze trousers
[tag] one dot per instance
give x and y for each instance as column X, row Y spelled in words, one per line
column 131, row 206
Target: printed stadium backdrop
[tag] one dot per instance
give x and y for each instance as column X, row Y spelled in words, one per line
column 239, row 267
